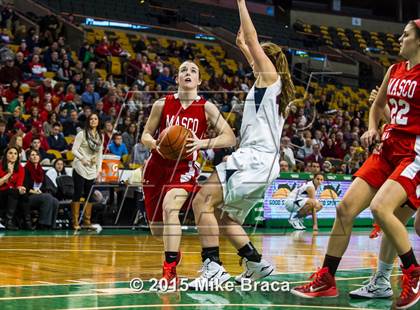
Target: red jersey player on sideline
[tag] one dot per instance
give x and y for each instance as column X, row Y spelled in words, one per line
column 387, row 179
column 168, row 184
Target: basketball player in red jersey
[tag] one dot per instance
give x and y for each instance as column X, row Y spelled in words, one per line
column 168, row 184
column 387, row 179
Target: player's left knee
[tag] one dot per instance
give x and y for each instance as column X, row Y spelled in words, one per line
column 201, row 204
column 378, row 209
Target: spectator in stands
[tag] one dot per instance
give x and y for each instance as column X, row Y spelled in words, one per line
column 54, row 63
column 37, row 68
column 117, row 50
column 10, row 72
column 287, row 150
column 16, row 141
column 316, row 156
column 52, row 174
column 22, row 64
column 327, row 167
column 89, row 56
column 315, row 167
column 99, row 109
column 317, row 139
column 100, row 87
column 340, row 145
column 4, row 138
column 44, row 89
column 90, row 97
column 83, row 116
column 83, row 50
column 87, row 149
column 164, row 79
column 36, row 131
column 92, row 75
column 135, row 103
column 23, row 48
column 7, row 16
column 77, row 82
column 68, row 103
column 56, row 140
column 329, row 151
column 147, row 68
column 34, row 118
column 306, row 150
column 48, row 125
column 12, row 175
column 19, row 101
column 129, row 137
column 140, row 153
column 301, row 118
column 134, row 67
column 117, row 146
column 284, row 166
column 110, row 83
column 109, row 132
column 36, row 195
column 72, row 126
column 46, row 158
column 64, row 73
column 12, row 91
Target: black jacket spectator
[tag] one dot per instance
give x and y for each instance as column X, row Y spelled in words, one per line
column 56, row 140
column 10, row 72
column 70, row 128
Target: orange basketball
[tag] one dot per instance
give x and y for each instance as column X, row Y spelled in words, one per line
column 172, row 142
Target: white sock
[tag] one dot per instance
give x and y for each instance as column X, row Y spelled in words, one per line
column 385, row 269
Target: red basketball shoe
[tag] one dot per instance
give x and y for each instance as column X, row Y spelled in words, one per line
column 323, row 285
column 169, row 275
column 410, row 293
column 375, row 231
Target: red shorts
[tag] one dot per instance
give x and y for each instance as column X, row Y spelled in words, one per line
column 159, row 177
column 398, row 159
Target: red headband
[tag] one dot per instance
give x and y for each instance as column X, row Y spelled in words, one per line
column 417, row 22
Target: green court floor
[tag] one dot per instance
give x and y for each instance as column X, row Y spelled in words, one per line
column 118, row 295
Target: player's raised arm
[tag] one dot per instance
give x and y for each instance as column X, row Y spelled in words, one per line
column 263, row 66
column 240, row 42
column 152, row 124
column 225, row 136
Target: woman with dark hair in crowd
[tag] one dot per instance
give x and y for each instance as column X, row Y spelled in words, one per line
column 37, row 195
column 49, row 124
column 64, row 74
column 12, row 92
column 35, row 117
column 52, row 174
column 87, row 150
column 11, row 184
column 17, row 142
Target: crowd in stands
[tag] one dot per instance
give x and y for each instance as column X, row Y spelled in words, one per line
column 48, row 91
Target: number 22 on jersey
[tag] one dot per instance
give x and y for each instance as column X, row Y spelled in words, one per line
column 399, row 110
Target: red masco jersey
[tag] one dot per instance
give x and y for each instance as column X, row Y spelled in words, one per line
column 192, row 118
column 403, row 98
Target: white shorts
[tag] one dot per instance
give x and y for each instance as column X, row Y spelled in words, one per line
column 244, row 178
column 293, row 205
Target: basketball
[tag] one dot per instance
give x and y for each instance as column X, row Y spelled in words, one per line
column 172, row 142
